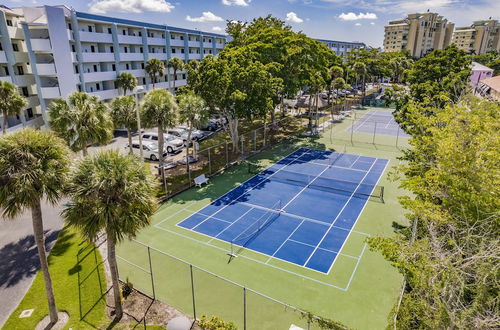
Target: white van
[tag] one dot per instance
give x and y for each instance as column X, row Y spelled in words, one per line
column 149, row 150
column 172, row 144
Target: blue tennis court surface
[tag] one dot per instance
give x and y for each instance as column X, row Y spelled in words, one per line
column 378, row 122
column 301, row 209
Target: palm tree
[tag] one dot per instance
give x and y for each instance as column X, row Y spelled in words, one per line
column 155, row 68
column 361, row 72
column 194, row 113
column 110, row 192
column 126, row 81
column 34, row 165
column 81, row 120
column 159, row 110
column 124, row 115
column 11, row 102
column 176, row 64
column 334, row 73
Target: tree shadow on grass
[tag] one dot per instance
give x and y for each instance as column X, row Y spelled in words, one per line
column 20, row 259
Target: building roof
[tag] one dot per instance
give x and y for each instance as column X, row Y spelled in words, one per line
column 479, row 67
column 493, row 83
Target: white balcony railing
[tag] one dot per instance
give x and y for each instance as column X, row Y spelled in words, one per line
column 41, row 45
column 129, row 39
column 98, row 57
column 3, row 58
column 137, row 72
column 160, row 56
column 96, row 37
column 156, row 41
column 15, row 32
column 6, row 78
column 99, row 76
column 131, row 56
column 176, row 43
column 46, row 69
column 194, row 56
column 51, row 92
column 25, row 80
column 107, row 94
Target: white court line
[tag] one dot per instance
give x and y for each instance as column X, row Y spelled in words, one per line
column 241, row 216
column 340, row 212
column 293, row 232
column 356, row 267
column 246, row 191
column 361, row 212
column 175, row 213
column 327, row 250
column 350, row 167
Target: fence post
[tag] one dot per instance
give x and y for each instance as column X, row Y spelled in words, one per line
column 264, row 143
column 255, row 140
column 227, row 155
column 374, row 132
column 151, row 273
column 244, row 308
column 397, row 136
column 209, row 162
column 242, row 145
column 192, row 291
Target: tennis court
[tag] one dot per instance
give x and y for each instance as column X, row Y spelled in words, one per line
column 300, row 210
column 378, row 122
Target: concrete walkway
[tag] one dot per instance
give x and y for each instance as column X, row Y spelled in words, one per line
column 19, row 257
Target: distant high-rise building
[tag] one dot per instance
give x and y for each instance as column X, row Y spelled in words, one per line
column 478, row 38
column 418, row 34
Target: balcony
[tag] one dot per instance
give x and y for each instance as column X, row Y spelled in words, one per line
column 33, row 101
column 46, row 69
column 194, row 44
column 160, row 56
column 181, row 82
column 3, row 58
column 137, row 72
column 194, row 56
column 6, row 78
column 218, row 45
column 73, row 57
column 25, row 80
column 107, row 94
column 129, row 39
column 98, row 57
column 99, row 76
column 131, row 57
column 21, row 57
column 156, row 41
column 96, row 37
column 207, row 45
column 70, row 34
column 51, row 92
column 176, row 43
column 15, row 32
column 181, row 56
column 160, row 85
column 41, row 45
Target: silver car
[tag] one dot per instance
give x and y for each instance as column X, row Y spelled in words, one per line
column 172, row 144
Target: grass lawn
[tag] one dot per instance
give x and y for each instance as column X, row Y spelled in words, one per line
column 79, row 285
column 359, row 291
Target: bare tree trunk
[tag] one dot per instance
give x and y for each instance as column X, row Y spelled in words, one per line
column 175, row 78
column 233, row 132
column 273, row 117
column 129, row 135
column 310, row 114
column 282, row 106
column 84, row 150
column 36, row 215
column 161, row 160
column 113, row 268
column 5, row 123
column 187, row 147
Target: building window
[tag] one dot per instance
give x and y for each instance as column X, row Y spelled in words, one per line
column 113, row 67
column 123, row 32
column 76, row 69
column 98, row 86
column 141, row 50
column 15, row 47
column 89, row 28
column 1, row 47
column 95, row 68
column 20, row 70
column 173, row 50
column 142, row 65
column 92, row 48
column 73, row 48
column 7, row 71
column 70, row 27
column 144, row 81
column 184, row 76
column 182, row 37
column 111, row 49
column 29, row 112
column 182, row 50
column 109, row 30
column 127, row 66
column 25, row 91
column 125, row 49
column 9, row 22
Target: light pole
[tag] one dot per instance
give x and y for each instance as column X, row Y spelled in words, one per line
column 137, row 90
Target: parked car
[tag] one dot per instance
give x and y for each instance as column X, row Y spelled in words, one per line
column 221, row 119
column 191, row 159
column 196, row 134
column 172, row 144
column 179, row 133
column 149, row 150
column 212, row 125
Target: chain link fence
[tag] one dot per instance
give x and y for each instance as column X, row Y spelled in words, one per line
column 196, row 292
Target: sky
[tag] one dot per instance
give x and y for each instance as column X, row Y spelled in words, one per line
column 344, row 20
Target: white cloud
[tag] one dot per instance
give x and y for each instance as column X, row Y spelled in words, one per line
column 372, row 23
column 243, row 3
column 292, row 17
column 130, row 6
column 358, row 24
column 353, row 17
column 217, row 29
column 207, row 16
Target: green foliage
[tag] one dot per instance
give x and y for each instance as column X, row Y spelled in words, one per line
column 159, row 109
column 81, row 120
column 126, row 81
column 177, row 64
column 215, row 323
column 324, row 323
column 127, row 288
column 154, row 68
column 34, row 165
column 113, row 192
column 192, row 110
column 11, row 102
column 123, row 112
column 491, row 59
column 450, row 256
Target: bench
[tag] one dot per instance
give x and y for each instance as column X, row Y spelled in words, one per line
column 199, row 180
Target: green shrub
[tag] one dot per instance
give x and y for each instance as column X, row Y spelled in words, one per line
column 215, row 323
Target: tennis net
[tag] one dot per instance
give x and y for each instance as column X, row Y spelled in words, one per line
column 256, row 227
column 327, row 184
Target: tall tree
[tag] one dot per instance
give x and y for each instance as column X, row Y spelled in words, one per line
column 33, row 166
column 177, row 65
column 194, row 113
column 11, row 103
column 155, row 68
column 126, row 81
column 160, row 110
column 81, row 120
column 449, row 252
column 361, row 72
column 124, row 115
column 113, row 193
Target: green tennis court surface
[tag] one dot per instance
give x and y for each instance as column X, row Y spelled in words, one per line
column 359, row 290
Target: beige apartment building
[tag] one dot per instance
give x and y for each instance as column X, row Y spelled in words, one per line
column 418, row 33
column 479, row 38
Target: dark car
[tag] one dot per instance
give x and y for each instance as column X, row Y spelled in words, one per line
column 211, row 126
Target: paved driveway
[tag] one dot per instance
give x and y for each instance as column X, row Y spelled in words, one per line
column 19, row 257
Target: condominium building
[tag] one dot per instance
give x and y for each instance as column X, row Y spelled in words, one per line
column 52, row 51
column 342, row 47
column 478, row 38
column 418, row 34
